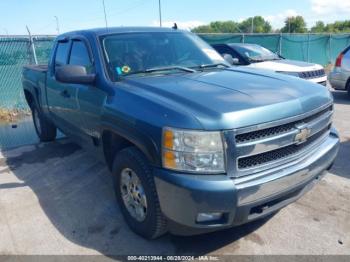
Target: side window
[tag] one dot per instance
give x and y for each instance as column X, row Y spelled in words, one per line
column 226, row 50
column 61, row 53
column 346, row 61
column 80, row 56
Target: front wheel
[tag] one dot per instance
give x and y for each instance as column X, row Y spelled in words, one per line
column 136, row 194
column 45, row 130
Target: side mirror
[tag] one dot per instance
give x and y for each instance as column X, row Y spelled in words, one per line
column 74, row 74
column 229, row 59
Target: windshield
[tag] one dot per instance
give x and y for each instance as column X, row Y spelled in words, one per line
column 256, row 53
column 140, row 53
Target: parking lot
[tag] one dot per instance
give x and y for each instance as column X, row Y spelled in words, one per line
column 57, row 199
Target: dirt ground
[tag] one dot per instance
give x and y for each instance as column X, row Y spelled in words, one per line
column 57, row 199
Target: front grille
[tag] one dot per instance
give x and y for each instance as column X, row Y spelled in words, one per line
column 268, row 132
column 277, row 130
column 280, row 143
column 312, row 74
column 278, row 154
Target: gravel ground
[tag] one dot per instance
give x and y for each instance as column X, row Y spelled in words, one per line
column 57, row 199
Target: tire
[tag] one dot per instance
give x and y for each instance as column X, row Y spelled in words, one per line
column 45, row 130
column 348, row 87
column 128, row 163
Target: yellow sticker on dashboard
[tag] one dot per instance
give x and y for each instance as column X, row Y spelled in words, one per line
column 126, row 69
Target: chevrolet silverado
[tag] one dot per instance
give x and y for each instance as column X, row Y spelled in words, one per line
column 193, row 145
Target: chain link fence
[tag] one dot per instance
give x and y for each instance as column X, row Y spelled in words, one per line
column 16, row 127
column 15, row 52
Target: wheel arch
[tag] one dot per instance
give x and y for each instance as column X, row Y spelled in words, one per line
column 31, row 95
column 347, row 85
column 113, row 141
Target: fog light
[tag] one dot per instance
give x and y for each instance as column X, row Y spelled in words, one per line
column 207, row 217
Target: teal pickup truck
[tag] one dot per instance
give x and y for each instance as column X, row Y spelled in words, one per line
column 193, row 144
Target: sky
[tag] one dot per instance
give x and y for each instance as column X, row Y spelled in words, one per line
column 39, row 15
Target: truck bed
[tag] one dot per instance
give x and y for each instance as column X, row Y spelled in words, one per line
column 34, row 79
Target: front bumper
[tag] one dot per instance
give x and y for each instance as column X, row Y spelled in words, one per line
column 244, row 199
column 319, row 80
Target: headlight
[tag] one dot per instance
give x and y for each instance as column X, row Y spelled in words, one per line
column 194, row 151
column 289, row 73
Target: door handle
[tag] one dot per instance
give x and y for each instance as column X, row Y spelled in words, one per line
column 65, row 94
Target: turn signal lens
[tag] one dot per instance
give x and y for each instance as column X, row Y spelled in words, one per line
column 169, row 159
column 168, row 139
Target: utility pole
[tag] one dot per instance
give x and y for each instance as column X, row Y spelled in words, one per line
column 289, row 24
column 160, row 13
column 31, row 43
column 252, row 30
column 7, row 32
column 57, row 25
column 104, row 10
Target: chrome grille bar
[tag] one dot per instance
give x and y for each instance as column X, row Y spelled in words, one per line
column 257, row 149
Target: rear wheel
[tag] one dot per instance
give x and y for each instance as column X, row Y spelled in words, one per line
column 136, row 194
column 45, row 130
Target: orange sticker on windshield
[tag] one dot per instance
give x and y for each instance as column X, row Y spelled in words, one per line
column 126, row 69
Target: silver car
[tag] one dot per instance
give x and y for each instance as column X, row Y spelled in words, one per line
column 340, row 76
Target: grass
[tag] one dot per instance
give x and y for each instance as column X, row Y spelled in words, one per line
column 328, row 68
column 12, row 115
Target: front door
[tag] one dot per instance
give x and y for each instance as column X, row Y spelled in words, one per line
column 89, row 98
column 60, row 97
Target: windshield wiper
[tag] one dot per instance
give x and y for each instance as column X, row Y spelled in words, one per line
column 213, row 65
column 168, row 68
column 159, row 69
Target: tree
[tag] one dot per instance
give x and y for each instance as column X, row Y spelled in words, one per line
column 203, row 29
column 318, row 28
column 218, row 27
column 336, row 27
column 294, row 24
column 256, row 24
column 260, row 25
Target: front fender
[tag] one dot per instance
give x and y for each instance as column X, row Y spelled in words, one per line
column 140, row 139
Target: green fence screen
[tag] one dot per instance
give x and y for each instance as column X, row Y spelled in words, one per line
column 317, row 48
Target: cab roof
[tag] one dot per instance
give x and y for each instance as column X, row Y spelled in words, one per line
column 116, row 30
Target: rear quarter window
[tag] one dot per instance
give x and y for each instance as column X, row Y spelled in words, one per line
column 346, row 60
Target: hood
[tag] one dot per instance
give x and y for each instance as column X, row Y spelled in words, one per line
column 285, row 65
column 232, row 98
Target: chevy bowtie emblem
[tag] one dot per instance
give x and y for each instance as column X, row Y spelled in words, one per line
column 302, row 135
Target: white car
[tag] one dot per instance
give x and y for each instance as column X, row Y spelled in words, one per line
column 256, row 56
